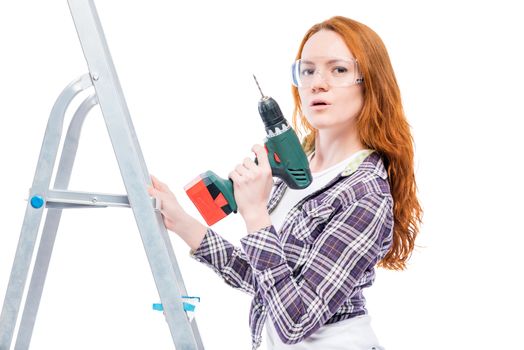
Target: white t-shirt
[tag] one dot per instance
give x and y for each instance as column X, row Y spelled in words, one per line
column 354, row 333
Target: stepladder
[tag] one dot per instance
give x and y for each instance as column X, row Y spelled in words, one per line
column 49, row 196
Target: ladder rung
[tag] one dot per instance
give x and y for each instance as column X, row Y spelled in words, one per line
column 65, row 199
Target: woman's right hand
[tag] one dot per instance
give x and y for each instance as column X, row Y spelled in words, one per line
column 171, row 210
column 175, row 218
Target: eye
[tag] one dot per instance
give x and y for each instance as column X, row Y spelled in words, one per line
column 307, row 71
column 340, row 70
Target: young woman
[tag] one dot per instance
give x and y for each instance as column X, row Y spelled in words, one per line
column 308, row 254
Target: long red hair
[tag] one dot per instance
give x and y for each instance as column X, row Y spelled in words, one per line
column 381, row 125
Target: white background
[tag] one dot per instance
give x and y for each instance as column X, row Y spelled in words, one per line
column 185, row 68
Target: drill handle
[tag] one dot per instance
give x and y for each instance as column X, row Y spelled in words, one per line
column 288, row 160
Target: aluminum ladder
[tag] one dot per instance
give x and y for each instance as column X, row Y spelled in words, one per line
column 109, row 96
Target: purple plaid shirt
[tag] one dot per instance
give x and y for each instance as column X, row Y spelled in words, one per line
column 313, row 271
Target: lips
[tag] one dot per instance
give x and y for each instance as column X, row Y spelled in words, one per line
column 319, row 102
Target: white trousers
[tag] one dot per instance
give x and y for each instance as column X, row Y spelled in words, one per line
column 351, row 334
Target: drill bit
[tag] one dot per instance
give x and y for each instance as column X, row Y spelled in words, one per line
column 256, row 81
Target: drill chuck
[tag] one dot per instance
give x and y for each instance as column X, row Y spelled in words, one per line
column 271, row 115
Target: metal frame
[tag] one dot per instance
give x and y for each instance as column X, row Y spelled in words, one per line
column 109, row 96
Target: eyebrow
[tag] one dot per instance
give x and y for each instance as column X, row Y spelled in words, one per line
column 330, row 61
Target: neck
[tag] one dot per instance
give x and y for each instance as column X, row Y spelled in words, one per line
column 332, row 147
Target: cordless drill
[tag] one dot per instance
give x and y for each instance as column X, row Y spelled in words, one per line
column 213, row 196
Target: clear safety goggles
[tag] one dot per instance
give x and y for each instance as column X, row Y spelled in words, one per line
column 335, row 71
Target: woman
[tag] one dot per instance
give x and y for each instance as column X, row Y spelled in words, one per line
column 309, row 253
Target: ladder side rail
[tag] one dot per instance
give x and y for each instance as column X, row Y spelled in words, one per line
column 52, row 221
column 33, row 217
column 134, row 173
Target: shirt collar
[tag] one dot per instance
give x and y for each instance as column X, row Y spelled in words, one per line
column 355, row 162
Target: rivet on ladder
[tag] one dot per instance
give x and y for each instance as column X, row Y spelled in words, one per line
column 37, row 202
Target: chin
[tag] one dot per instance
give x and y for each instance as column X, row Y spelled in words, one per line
column 321, row 122
column 323, row 126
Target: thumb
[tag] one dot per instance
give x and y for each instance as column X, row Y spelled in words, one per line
column 156, row 182
column 153, row 192
column 262, row 157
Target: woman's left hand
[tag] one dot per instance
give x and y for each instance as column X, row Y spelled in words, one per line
column 252, row 185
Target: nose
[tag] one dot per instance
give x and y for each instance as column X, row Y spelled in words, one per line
column 318, row 82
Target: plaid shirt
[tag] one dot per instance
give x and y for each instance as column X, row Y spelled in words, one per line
column 313, row 271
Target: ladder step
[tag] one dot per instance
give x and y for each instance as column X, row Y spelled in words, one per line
column 66, row 199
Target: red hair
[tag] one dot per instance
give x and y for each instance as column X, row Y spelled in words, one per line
column 381, row 125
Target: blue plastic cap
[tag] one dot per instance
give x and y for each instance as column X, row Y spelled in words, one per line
column 37, row 202
column 187, row 307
